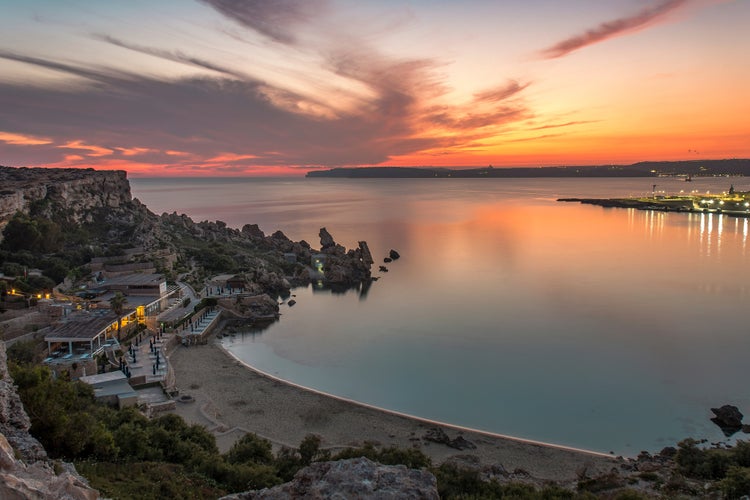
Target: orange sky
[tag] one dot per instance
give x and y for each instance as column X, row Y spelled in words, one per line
column 224, row 88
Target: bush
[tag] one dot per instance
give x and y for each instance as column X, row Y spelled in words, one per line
column 250, row 449
column 736, row 483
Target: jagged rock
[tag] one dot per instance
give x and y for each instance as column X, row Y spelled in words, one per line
column 394, row 254
column 728, row 418
column 253, row 231
column 387, row 260
column 278, row 235
column 326, row 240
column 383, row 269
column 365, row 255
column 355, row 478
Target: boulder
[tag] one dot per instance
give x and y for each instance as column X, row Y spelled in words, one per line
column 387, row 260
column 383, row 269
column 354, row 478
column 728, row 418
column 292, row 302
column 394, row 254
column 253, row 231
column 436, row 435
column 461, row 443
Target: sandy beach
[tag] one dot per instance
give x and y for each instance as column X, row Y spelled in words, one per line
column 231, row 399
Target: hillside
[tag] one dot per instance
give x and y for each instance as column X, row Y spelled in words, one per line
column 57, row 220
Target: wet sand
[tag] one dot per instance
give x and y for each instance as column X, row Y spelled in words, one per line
column 231, row 399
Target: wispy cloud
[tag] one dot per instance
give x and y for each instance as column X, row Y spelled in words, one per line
column 22, row 140
column 275, row 19
column 614, row 28
column 501, row 93
column 229, row 120
column 175, row 56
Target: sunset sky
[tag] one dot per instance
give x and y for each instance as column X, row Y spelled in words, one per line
column 260, row 87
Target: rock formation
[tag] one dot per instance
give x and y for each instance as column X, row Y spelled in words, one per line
column 728, row 418
column 342, row 267
column 354, row 478
column 25, row 470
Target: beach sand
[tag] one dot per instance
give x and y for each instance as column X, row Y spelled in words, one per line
column 231, row 399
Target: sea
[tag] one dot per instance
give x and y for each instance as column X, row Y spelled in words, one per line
column 607, row 329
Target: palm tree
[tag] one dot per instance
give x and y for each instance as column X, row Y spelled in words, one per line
column 118, row 305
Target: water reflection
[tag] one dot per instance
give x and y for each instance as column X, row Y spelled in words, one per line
column 507, row 307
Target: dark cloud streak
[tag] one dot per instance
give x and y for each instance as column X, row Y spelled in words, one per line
column 175, row 56
column 272, row 18
column 612, row 29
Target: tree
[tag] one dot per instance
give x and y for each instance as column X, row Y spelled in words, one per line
column 118, row 305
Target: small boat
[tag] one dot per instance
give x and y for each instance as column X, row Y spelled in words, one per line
column 689, row 178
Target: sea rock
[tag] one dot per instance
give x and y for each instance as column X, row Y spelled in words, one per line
column 387, row 260
column 728, row 418
column 394, row 254
column 326, row 240
column 292, row 302
column 355, row 478
column 383, row 269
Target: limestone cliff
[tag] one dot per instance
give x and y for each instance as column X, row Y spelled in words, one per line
column 25, row 471
column 71, row 192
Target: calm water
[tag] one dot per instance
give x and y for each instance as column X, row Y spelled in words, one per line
column 607, row 329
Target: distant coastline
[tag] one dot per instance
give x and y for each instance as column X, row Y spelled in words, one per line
column 692, row 168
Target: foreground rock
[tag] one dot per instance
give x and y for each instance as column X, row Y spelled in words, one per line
column 25, row 470
column 354, row 478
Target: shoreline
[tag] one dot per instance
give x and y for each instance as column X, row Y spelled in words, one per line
column 436, row 423
column 232, row 398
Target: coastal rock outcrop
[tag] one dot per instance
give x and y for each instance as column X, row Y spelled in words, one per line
column 728, row 418
column 354, row 478
column 342, row 267
column 25, row 471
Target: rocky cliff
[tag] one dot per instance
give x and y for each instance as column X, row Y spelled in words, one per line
column 25, row 471
column 354, row 478
column 84, row 213
column 71, row 192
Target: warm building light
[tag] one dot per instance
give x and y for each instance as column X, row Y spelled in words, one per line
column 38, row 295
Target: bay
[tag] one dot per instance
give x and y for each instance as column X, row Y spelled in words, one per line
column 605, row 329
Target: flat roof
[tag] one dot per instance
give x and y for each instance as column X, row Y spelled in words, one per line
column 82, row 326
column 103, row 378
column 136, row 279
column 131, row 301
column 119, row 388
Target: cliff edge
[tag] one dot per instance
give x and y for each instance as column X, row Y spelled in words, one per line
column 25, row 470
